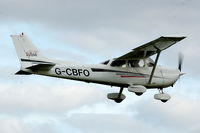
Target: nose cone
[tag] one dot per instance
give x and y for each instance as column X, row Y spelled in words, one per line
column 180, row 73
column 177, row 75
column 170, row 76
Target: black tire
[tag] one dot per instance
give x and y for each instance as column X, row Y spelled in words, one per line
column 138, row 93
column 118, row 100
column 164, row 101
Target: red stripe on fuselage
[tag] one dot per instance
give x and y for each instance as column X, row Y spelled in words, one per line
column 126, row 76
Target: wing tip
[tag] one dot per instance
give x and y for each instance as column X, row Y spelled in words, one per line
column 174, row 38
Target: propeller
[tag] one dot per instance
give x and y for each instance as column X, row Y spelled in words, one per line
column 180, row 61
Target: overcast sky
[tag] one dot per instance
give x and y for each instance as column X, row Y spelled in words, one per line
column 92, row 31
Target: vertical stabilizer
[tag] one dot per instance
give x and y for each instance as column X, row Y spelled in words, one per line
column 26, row 51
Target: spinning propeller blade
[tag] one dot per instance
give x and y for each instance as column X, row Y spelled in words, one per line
column 180, row 61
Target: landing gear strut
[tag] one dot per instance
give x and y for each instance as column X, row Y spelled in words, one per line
column 160, row 90
column 117, row 97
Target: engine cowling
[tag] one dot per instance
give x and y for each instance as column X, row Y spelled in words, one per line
column 137, row 89
column 164, row 97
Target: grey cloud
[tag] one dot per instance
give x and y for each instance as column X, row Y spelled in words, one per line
column 105, row 29
column 178, row 115
column 106, row 123
column 25, row 98
column 95, row 26
column 90, row 14
column 20, row 125
column 13, row 125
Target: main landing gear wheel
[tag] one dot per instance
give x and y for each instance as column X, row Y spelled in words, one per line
column 164, row 101
column 138, row 93
column 119, row 100
column 117, row 97
column 164, row 97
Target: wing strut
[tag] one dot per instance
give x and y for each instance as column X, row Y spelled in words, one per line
column 155, row 64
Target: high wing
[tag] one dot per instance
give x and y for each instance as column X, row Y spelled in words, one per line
column 151, row 48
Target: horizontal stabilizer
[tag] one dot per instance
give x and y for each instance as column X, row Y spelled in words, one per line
column 46, row 66
column 22, row 73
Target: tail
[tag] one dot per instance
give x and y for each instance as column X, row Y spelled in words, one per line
column 30, row 57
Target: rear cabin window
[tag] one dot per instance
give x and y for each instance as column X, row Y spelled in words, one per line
column 133, row 63
column 119, row 63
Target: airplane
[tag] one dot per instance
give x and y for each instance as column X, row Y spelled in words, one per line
column 134, row 70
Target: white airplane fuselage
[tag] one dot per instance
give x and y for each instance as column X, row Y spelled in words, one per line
column 134, row 70
column 115, row 76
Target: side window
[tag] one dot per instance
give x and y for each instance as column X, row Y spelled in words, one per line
column 141, row 63
column 149, row 62
column 136, row 63
column 119, row 63
column 133, row 63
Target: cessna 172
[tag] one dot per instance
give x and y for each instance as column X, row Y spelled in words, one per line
column 134, row 70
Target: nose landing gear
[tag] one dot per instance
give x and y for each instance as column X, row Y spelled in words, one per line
column 164, row 97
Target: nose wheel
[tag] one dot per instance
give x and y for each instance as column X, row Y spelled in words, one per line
column 164, row 97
